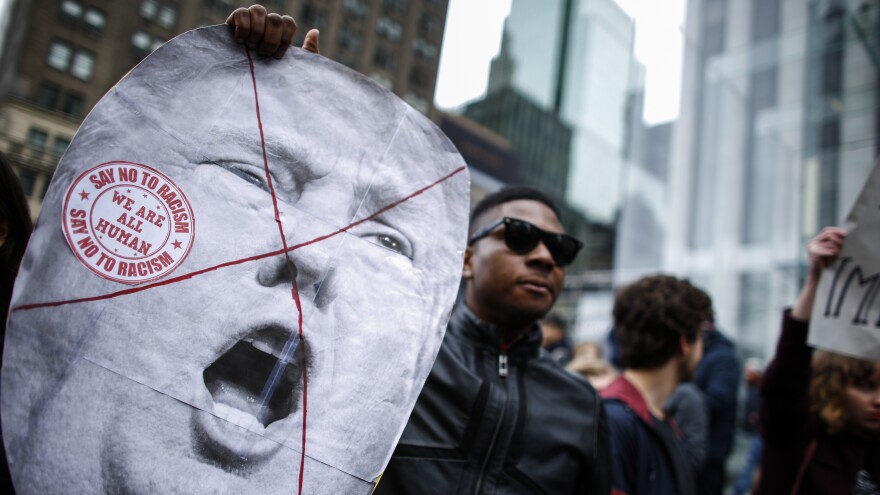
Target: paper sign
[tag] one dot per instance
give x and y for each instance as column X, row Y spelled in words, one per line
column 846, row 312
column 240, row 278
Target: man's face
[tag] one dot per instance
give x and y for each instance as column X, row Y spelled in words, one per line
column 503, row 286
column 693, row 353
column 179, row 388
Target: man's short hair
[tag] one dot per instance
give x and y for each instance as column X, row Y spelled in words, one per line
column 651, row 315
column 703, row 303
column 508, row 194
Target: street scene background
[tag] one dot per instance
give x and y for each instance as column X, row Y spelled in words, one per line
column 704, row 138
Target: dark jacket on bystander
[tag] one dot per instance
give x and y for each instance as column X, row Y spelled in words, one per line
column 800, row 457
column 647, row 453
column 500, row 420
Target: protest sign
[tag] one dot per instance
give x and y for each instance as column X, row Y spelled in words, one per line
column 239, row 281
column 846, row 313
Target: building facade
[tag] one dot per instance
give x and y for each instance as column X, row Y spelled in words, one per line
column 777, row 133
column 61, row 56
column 573, row 58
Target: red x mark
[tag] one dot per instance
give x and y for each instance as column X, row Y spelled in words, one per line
column 286, row 250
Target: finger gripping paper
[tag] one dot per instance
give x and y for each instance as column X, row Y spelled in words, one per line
column 240, row 278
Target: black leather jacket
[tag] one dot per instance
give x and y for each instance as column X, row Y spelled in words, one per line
column 537, row 430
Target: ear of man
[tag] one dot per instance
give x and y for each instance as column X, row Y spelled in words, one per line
column 467, row 272
column 684, row 347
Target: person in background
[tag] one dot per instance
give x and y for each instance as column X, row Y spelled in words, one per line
column 717, row 377
column 657, row 329
column 590, row 364
column 688, row 408
column 15, row 230
column 554, row 339
column 820, row 411
column 751, row 426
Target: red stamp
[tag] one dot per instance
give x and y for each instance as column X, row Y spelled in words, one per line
column 128, row 222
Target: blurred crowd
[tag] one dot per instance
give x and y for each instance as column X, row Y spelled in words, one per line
column 500, row 415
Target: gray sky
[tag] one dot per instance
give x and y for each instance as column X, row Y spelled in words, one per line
column 473, row 36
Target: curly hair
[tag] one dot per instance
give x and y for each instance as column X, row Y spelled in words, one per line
column 650, row 317
column 832, row 374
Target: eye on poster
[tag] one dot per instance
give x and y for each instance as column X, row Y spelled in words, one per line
column 239, row 281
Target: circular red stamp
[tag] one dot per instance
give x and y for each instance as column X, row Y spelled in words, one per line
column 128, row 222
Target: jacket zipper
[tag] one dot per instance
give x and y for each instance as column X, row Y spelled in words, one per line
column 502, row 361
column 502, row 372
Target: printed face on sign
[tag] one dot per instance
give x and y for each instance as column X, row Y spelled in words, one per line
column 282, row 345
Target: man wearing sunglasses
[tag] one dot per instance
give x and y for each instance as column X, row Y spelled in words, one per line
column 498, row 415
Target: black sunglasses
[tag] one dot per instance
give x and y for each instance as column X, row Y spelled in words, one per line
column 521, row 237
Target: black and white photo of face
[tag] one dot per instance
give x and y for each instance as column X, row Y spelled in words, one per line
column 177, row 388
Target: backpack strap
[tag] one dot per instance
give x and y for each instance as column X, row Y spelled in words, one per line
column 808, row 455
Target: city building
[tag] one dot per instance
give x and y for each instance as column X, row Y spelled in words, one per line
column 573, row 58
column 491, row 162
column 558, row 91
column 60, row 57
column 537, row 135
column 777, row 132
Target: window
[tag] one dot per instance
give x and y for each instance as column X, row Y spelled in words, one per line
column 312, row 17
column 765, row 19
column 60, row 53
column 36, row 139
column 83, row 65
column 140, row 40
column 62, row 57
column 143, row 44
column 428, row 25
column 45, row 187
column 71, row 11
column 149, row 9
column 416, row 102
column 28, row 179
column 382, row 80
column 95, row 19
column 47, row 96
column 356, row 8
column 424, row 49
column 73, row 104
column 383, row 58
column 393, row 5
column 59, row 146
column 389, row 28
column 417, row 77
column 167, row 17
column 349, row 39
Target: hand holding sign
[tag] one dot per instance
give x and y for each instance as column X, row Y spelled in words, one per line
column 846, row 313
column 225, row 297
column 269, row 34
column 822, row 251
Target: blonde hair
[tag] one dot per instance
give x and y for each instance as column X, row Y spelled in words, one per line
column 832, row 374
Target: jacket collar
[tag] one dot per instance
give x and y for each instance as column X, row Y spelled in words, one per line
column 465, row 324
column 623, row 390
